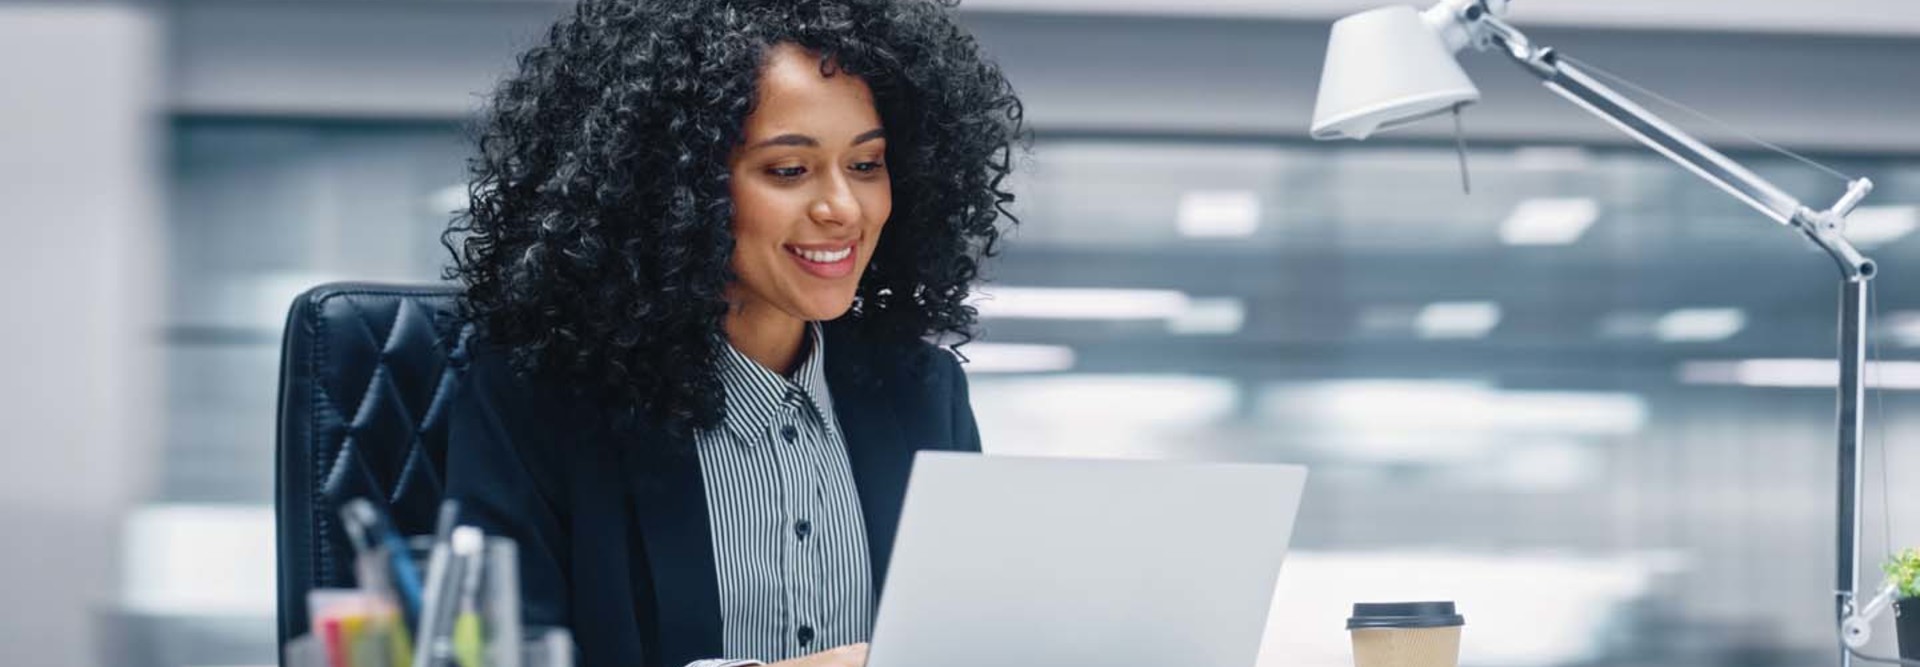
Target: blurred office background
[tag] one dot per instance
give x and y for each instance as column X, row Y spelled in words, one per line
column 1589, row 401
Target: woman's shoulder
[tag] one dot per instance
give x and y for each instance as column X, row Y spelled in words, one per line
column 490, row 376
column 557, row 433
column 853, row 351
column 540, row 420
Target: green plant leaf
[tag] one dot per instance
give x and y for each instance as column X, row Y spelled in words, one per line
column 1904, row 570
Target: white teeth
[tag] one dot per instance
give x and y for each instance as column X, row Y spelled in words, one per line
column 823, row 256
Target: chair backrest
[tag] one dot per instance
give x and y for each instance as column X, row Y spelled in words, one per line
column 366, row 372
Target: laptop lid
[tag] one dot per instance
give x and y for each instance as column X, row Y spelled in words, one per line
column 1047, row 561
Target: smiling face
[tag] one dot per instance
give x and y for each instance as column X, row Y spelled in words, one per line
column 810, row 194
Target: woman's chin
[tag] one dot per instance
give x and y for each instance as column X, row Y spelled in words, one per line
column 821, row 310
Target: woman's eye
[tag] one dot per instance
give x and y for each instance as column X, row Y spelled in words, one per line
column 787, row 172
column 866, row 167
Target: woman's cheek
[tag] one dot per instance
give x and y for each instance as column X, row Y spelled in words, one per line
column 881, row 206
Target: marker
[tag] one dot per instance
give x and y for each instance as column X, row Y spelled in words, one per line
column 467, row 643
column 438, row 605
column 366, row 527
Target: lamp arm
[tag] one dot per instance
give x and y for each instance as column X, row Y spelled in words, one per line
column 1477, row 23
column 1823, row 227
column 1856, row 629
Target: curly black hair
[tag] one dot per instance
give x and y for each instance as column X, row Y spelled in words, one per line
column 596, row 246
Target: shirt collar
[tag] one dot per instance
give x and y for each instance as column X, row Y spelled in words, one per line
column 757, row 397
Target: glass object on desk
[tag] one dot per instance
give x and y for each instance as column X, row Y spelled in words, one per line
column 480, row 609
column 471, row 617
column 545, row 647
column 548, row 647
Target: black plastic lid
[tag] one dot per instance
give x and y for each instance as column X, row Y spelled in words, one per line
column 1404, row 615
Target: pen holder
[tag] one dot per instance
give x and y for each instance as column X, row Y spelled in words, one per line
column 545, row 647
column 468, row 611
column 476, row 616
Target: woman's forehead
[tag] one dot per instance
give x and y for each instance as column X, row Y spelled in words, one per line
column 793, row 90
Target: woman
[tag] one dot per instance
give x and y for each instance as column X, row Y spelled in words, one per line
column 706, row 242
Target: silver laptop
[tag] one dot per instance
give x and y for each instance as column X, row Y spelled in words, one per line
column 1004, row 561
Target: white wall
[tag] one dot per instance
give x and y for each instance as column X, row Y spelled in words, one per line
column 1078, row 71
column 358, row 59
column 79, row 218
column 1834, row 17
column 1261, row 77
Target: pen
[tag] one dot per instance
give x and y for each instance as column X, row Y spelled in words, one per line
column 354, row 640
column 366, row 526
column 467, row 642
column 335, row 642
column 443, row 525
column 436, row 605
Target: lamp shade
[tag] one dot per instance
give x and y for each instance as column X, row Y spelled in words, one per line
column 1385, row 67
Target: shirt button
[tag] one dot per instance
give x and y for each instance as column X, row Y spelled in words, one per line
column 805, row 635
column 802, row 528
column 789, row 432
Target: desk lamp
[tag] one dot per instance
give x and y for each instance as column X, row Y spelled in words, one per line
column 1395, row 65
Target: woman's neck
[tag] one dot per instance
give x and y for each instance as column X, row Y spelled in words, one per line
column 766, row 335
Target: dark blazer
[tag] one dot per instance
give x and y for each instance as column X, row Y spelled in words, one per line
column 618, row 549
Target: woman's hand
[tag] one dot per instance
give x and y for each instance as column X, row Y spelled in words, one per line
column 851, row 655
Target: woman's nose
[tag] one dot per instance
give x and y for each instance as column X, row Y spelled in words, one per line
column 836, row 203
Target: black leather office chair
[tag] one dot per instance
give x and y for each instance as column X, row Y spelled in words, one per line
column 366, row 373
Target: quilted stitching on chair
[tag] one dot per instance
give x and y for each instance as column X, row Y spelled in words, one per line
column 367, row 373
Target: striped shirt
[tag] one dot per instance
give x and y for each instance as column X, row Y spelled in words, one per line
column 789, row 542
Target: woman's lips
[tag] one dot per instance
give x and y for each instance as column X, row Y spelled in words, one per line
column 823, row 261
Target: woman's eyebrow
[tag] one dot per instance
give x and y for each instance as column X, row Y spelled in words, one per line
column 810, row 142
column 787, row 140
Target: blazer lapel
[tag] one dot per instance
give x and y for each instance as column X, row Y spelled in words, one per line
column 877, row 448
column 670, row 504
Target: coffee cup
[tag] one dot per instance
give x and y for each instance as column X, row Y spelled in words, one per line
column 1405, row 634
